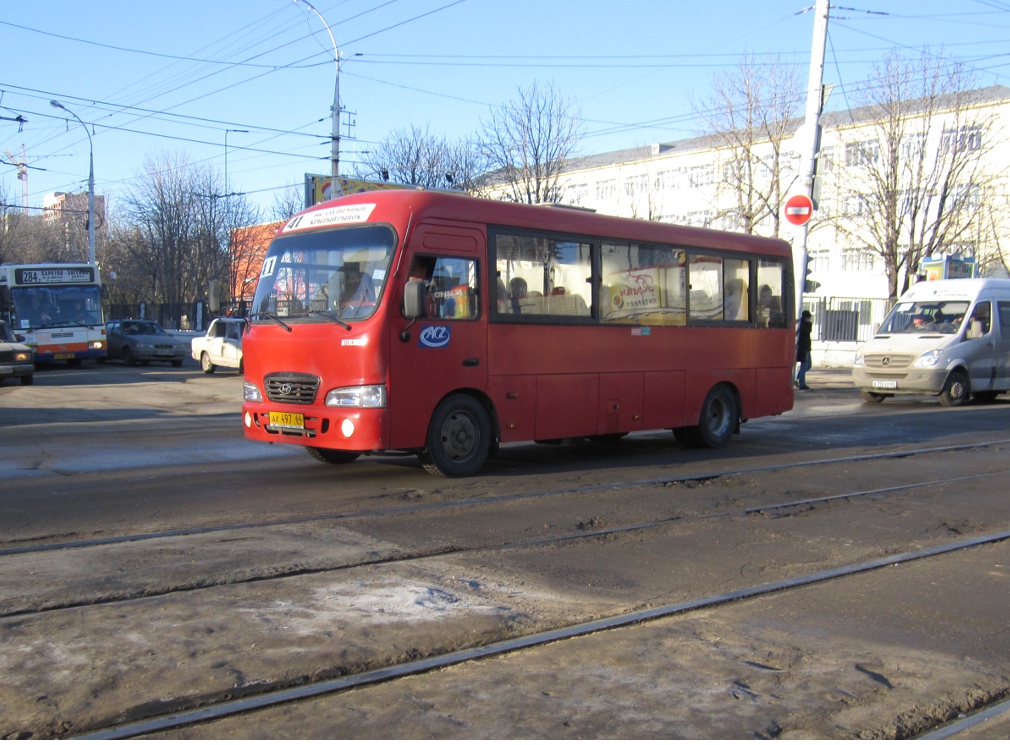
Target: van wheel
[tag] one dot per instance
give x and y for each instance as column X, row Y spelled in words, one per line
column 874, row 398
column 956, row 390
column 719, row 417
column 333, row 457
column 459, row 438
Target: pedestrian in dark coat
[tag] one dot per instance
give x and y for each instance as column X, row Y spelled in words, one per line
column 803, row 350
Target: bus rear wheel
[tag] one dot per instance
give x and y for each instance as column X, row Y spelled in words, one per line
column 459, row 438
column 719, row 416
column 333, row 457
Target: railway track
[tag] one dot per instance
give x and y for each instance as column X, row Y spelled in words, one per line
column 583, row 533
column 398, row 672
column 291, row 690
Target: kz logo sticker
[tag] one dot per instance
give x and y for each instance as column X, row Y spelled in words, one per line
column 434, row 337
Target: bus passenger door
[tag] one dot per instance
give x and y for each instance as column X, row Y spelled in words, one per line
column 444, row 351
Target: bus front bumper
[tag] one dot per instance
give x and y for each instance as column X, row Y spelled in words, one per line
column 359, row 430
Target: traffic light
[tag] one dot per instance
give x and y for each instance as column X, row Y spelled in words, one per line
column 809, row 285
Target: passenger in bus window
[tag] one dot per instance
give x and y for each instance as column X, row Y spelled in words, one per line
column 422, row 269
column 517, row 291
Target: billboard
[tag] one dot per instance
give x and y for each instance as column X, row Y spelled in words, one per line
column 946, row 266
column 319, row 188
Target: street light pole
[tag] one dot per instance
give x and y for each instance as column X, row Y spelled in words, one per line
column 335, row 133
column 91, row 182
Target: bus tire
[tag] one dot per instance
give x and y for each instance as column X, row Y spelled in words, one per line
column 874, row 398
column 459, row 438
column 206, row 365
column 956, row 389
column 720, row 415
column 333, row 457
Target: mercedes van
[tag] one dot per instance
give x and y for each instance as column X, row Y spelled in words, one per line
column 948, row 338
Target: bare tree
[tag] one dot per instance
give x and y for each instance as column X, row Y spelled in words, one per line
column 527, row 141
column 414, row 156
column 751, row 116
column 913, row 182
column 179, row 225
column 288, row 202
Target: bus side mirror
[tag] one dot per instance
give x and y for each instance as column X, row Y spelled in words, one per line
column 414, row 299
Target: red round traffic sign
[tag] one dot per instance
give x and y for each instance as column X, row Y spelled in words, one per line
column 799, row 208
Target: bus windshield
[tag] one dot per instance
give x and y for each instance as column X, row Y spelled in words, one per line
column 57, row 306
column 339, row 273
column 932, row 317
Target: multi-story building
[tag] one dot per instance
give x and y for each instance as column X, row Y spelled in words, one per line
column 862, row 159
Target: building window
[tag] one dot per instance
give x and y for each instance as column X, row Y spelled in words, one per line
column 858, row 259
column 962, row 139
column 865, row 153
column 701, row 175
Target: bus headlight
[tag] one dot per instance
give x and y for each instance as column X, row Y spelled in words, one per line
column 251, row 393
column 932, row 358
column 358, row 397
column 97, row 344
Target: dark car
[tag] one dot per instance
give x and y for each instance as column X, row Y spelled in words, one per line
column 16, row 359
column 140, row 340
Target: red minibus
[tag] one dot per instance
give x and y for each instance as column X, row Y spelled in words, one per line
column 441, row 325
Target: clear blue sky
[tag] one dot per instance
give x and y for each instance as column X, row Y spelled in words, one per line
column 156, row 77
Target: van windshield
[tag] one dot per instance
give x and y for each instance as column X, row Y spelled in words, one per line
column 338, row 273
column 928, row 317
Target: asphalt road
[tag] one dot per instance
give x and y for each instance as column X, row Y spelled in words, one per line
column 272, row 569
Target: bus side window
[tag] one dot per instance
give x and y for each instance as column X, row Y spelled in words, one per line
column 450, row 284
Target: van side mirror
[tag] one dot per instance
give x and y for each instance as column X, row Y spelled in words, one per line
column 974, row 329
column 415, row 299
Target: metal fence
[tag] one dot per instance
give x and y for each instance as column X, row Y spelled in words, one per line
column 845, row 319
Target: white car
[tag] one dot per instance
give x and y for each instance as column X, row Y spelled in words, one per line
column 221, row 346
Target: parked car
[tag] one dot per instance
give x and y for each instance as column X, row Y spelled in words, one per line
column 221, row 345
column 144, row 341
column 16, row 359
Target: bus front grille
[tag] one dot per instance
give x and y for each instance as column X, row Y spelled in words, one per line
column 291, row 388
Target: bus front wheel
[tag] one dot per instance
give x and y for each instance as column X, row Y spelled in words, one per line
column 719, row 417
column 459, row 438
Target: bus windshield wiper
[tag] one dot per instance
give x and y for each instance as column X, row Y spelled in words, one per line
column 343, row 324
column 274, row 318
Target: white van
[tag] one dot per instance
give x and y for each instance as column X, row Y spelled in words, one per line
column 948, row 338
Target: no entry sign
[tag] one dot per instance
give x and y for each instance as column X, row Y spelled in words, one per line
column 799, row 208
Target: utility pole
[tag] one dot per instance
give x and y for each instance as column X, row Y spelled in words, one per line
column 335, row 131
column 812, row 131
